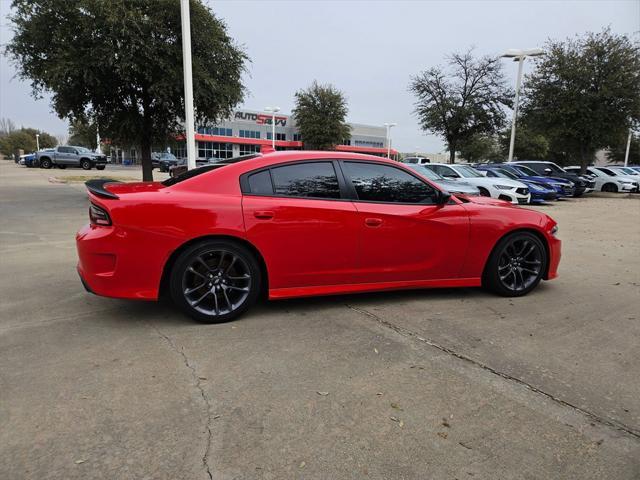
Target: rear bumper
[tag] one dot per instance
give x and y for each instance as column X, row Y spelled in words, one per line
column 115, row 263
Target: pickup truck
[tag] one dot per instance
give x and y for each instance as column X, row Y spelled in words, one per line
column 71, row 156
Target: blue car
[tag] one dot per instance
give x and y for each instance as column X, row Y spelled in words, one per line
column 562, row 186
column 539, row 192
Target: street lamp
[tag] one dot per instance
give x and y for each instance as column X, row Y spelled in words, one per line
column 389, row 125
column 188, row 84
column 518, row 56
column 273, row 111
column 37, row 142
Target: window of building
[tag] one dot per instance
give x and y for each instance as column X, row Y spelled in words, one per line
column 382, row 183
column 297, row 137
column 215, row 131
column 368, row 143
column 279, row 136
column 248, row 149
column 312, row 179
column 208, row 150
column 347, row 141
column 249, row 134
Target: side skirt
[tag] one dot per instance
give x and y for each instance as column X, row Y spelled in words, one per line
column 318, row 290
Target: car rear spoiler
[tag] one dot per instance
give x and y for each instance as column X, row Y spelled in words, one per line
column 97, row 188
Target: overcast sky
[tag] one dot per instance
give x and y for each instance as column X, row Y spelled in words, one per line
column 367, row 49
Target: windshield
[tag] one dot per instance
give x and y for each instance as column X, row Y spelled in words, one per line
column 167, row 156
column 628, row 171
column 430, row 174
column 467, row 172
column 83, row 150
column 501, row 172
column 525, row 170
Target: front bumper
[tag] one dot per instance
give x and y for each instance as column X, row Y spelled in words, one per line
column 543, row 196
column 555, row 253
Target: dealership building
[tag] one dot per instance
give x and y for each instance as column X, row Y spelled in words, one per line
column 249, row 130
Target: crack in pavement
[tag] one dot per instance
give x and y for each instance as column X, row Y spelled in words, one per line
column 198, row 384
column 410, row 334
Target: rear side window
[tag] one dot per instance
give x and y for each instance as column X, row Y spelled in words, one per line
column 260, row 183
column 383, row 183
column 310, row 179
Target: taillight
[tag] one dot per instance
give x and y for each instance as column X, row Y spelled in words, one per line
column 99, row 216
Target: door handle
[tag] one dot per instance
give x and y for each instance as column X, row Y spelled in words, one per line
column 373, row 222
column 263, row 214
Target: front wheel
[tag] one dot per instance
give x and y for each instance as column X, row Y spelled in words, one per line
column 484, row 192
column 610, row 187
column 215, row 281
column 516, row 265
column 85, row 164
column 46, row 163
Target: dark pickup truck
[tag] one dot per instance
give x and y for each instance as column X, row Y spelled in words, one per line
column 70, row 156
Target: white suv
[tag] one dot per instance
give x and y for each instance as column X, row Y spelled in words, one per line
column 502, row 188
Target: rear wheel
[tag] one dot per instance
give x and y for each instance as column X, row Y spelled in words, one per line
column 45, row 163
column 215, row 281
column 100, row 167
column 85, row 164
column 516, row 265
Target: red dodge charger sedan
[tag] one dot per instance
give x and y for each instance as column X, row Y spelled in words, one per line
column 291, row 224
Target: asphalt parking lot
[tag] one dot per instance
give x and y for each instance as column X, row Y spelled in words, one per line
column 442, row 384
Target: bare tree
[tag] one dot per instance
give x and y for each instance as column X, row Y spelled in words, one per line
column 465, row 100
column 6, row 126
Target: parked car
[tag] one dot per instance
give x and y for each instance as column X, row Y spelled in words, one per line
column 550, row 169
column 416, row 160
column 217, row 237
column 27, row 159
column 539, row 192
column 181, row 166
column 163, row 161
column 562, row 187
column 606, row 180
column 628, row 171
column 451, row 186
column 71, row 156
column 505, row 189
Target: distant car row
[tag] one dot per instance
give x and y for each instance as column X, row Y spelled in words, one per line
column 523, row 182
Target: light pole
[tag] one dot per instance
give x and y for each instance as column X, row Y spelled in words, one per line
column 38, row 142
column 626, row 153
column 273, row 111
column 188, row 84
column 389, row 125
column 518, row 56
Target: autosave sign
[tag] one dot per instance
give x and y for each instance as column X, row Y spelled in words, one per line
column 260, row 118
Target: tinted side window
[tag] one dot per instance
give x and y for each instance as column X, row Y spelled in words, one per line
column 66, row 150
column 537, row 167
column 260, row 183
column 382, row 183
column 312, row 179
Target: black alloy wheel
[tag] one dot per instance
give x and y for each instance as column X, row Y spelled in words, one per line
column 85, row 164
column 516, row 265
column 45, row 163
column 215, row 281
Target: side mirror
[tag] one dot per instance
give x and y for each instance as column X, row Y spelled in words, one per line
column 547, row 171
column 443, row 197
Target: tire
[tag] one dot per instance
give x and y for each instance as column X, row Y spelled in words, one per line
column 610, row 187
column 484, row 192
column 215, row 281
column 99, row 167
column 85, row 164
column 516, row 265
column 45, row 163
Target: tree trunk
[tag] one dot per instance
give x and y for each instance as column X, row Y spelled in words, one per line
column 452, row 153
column 585, row 159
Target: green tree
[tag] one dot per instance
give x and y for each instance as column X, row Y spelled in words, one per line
column 120, row 64
column 463, row 101
column 529, row 144
column 320, row 113
column 25, row 139
column 83, row 133
column 479, row 147
column 584, row 93
column 618, row 149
